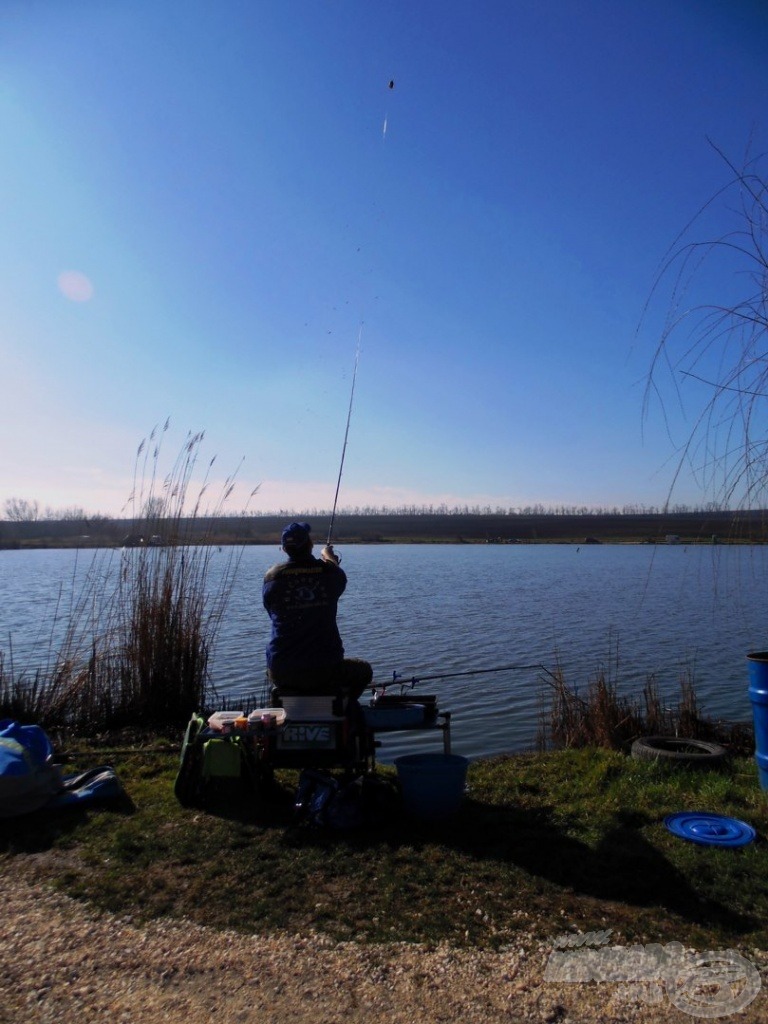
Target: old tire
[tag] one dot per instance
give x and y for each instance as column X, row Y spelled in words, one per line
column 678, row 750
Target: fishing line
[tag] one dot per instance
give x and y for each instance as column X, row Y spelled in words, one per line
column 386, row 114
column 351, row 395
column 346, row 437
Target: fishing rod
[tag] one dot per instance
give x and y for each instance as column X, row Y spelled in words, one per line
column 346, row 436
column 398, row 680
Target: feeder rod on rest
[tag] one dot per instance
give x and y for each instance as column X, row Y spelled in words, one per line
column 346, row 435
column 470, row 672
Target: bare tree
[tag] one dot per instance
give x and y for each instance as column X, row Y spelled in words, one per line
column 154, row 507
column 716, row 351
column 72, row 513
column 21, row 510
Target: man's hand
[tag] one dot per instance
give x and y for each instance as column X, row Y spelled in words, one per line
column 329, row 555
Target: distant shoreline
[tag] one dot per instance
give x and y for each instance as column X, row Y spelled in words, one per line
column 745, row 527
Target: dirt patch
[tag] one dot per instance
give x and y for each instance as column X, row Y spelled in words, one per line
column 64, row 961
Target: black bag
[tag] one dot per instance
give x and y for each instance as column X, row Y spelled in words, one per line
column 327, row 802
column 343, row 804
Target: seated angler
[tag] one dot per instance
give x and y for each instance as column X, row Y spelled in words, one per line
column 305, row 654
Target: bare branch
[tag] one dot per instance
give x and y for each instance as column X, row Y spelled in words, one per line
column 727, row 446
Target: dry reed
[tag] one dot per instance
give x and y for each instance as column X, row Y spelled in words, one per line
column 139, row 633
column 603, row 717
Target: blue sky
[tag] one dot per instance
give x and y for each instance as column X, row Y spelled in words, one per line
column 205, row 203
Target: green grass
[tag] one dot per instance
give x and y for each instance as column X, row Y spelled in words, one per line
column 543, row 843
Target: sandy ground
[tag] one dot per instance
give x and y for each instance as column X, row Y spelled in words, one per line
column 63, row 962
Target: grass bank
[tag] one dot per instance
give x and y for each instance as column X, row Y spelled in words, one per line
column 543, row 844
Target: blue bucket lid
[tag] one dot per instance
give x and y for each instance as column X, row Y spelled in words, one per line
column 709, row 829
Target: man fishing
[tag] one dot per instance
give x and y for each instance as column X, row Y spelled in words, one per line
column 305, row 654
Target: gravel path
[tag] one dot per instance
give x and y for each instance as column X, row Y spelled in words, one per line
column 63, row 962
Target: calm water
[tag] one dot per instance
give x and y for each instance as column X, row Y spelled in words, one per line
column 424, row 610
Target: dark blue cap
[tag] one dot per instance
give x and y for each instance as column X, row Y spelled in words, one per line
column 295, row 536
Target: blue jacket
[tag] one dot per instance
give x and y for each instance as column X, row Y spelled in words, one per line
column 301, row 596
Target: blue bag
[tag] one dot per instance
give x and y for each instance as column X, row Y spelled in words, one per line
column 28, row 776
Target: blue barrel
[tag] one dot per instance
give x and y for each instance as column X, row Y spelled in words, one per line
column 758, row 694
column 432, row 784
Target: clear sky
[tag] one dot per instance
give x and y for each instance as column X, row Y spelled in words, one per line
column 203, row 204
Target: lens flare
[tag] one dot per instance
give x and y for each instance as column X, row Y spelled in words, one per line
column 75, row 286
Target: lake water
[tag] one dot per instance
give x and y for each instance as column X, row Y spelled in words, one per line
column 421, row 610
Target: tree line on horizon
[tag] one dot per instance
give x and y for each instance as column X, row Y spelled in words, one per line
column 18, row 510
